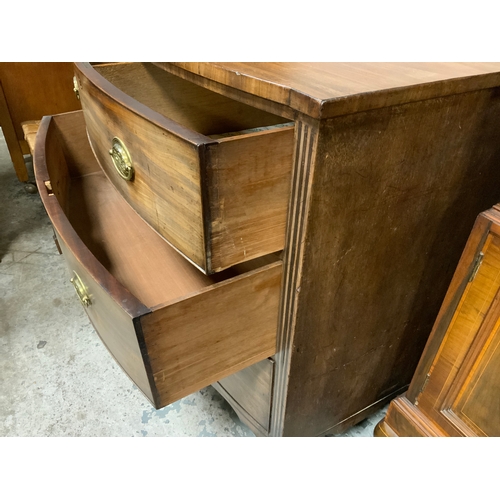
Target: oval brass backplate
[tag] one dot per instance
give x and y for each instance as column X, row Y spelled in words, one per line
column 81, row 290
column 121, row 159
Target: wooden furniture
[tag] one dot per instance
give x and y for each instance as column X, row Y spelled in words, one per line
column 148, row 303
column 213, row 178
column 30, row 129
column 360, row 218
column 455, row 390
column 29, row 91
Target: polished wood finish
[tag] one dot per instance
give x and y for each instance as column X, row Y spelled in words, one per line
column 117, row 326
column 458, row 396
column 409, row 421
column 255, row 172
column 212, row 175
column 173, row 329
column 381, row 430
column 29, row 91
column 377, row 183
column 187, row 104
column 392, row 163
column 214, row 333
column 324, row 90
column 114, row 308
column 9, row 133
column 249, row 392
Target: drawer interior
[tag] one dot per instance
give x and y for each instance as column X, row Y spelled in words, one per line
column 190, row 105
column 124, row 244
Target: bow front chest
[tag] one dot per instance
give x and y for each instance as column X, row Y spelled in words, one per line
column 283, row 231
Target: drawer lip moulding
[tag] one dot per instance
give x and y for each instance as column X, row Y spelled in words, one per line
column 171, row 328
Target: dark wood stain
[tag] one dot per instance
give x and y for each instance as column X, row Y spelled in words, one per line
column 395, row 194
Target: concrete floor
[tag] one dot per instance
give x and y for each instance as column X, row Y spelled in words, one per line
column 56, row 377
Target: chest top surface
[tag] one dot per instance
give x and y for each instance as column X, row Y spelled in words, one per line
column 323, row 90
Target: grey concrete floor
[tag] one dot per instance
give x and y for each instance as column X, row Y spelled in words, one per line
column 56, row 377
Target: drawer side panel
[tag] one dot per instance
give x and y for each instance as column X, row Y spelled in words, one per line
column 249, row 186
column 212, row 334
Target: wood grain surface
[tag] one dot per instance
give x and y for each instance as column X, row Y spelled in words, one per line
column 477, row 403
column 248, row 179
column 463, row 378
column 467, row 320
column 30, row 128
column 459, row 394
column 9, row 133
column 304, row 159
column 120, row 333
column 395, row 193
column 29, row 91
column 173, row 329
column 214, row 333
column 219, row 201
column 323, row 90
column 35, row 89
column 190, row 105
column 392, row 163
column 383, row 430
column 385, row 189
column 406, row 420
column 249, row 392
column 114, row 309
column 166, row 188
column 450, row 303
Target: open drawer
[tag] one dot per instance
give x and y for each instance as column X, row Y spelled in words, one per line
column 172, row 329
column 209, row 174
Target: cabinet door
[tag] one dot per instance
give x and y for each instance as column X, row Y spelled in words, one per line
column 477, row 406
column 461, row 390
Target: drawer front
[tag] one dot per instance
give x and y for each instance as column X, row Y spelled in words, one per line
column 62, row 153
column 195, row 342
column 117, row 329
column 249, row 392
column 165, row 189
column 219, row 200
column 171, row 328
column 182, row 347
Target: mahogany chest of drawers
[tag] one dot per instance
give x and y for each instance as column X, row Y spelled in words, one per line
column 286, row 232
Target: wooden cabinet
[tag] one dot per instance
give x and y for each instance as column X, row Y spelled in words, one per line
column 456, row 388
column 346, row 192
column 29, row 91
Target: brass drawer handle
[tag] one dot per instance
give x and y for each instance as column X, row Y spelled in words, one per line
column 121, row 159
column 81, row 290
column 76, row 89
